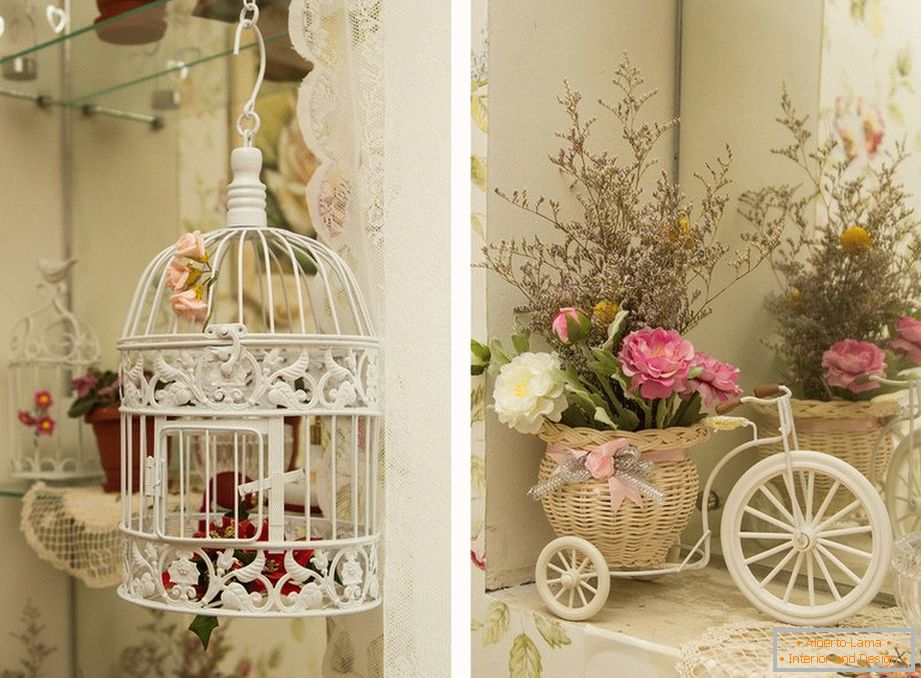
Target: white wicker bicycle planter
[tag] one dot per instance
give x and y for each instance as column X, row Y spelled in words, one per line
column 48, row 349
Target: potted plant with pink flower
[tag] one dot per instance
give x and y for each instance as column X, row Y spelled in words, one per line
column 97, row 400
column 850, row 283
column 612, row 301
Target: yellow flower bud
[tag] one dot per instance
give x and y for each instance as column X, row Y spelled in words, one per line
column 604, row 312
column 855, row 240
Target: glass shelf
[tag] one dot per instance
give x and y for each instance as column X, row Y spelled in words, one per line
column 13, row 488
column 146, row 79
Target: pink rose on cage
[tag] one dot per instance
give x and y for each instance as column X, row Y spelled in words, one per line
column 189, row 305
column 657, row 360
column 716, row 382
column 909, row 339
column 571, row 324
column 177, row 275
column 849, row 359
column 83, row 385
column 191, row 245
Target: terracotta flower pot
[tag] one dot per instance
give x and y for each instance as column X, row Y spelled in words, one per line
column 106, row 422
column 137, row 28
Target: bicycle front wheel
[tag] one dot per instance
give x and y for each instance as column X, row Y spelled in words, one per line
column 804, row 563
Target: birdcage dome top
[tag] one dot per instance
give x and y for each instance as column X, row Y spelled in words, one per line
column 52, row 333
column 272, row 283
column 248, row 318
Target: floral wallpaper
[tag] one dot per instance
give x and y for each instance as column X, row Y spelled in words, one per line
column 869, row 81
column 507, row 641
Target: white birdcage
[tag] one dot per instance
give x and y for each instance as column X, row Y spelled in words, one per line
column 250, row 393
column 49, row 348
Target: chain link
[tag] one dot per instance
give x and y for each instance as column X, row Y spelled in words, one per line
column 249, row 15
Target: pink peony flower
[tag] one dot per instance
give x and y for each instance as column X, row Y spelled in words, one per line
column 189, row 306
column 848, row 359
column 191, row 245
column 83, row 385
column 571, row 324
column 717, row 382
column 909, row 339
column 177, row 275
column 657, row 361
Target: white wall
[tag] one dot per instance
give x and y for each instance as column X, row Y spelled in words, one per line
column 534, row 46
column 30, row 228
column 735, row 59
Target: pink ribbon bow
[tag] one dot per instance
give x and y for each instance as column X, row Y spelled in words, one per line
column 602, row 463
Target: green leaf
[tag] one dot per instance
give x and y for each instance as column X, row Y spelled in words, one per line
column 524, row 658
column 498, row 356
column 496, row 624
column 551, row 631
column 202, row 626
column 602, row 416
column 689, row 412
column 616, row 329
column 661, row 412
column 522, row 341
column 479, row 357
column 81, row 406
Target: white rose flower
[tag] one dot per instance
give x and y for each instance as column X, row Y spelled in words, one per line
column 528, row 390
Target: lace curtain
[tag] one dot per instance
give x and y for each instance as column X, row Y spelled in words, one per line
column 359, row 47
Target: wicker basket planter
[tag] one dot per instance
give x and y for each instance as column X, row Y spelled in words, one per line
column 635, row 536
column 852, row 431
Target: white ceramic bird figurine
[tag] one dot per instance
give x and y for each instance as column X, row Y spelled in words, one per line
column 54, row 271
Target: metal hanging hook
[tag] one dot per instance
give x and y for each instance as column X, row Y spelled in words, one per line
column 248, row 122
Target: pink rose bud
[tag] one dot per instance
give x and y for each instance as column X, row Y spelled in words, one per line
column 909, row 339
column 571, row 324
column 191, row 245
column 177, row 275
column 189, row 306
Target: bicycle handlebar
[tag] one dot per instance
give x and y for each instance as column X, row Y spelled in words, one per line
column 727, row 405
column 767, row 390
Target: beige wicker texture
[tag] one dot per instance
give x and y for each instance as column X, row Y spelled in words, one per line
column 852, row 431
column 635, row 536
